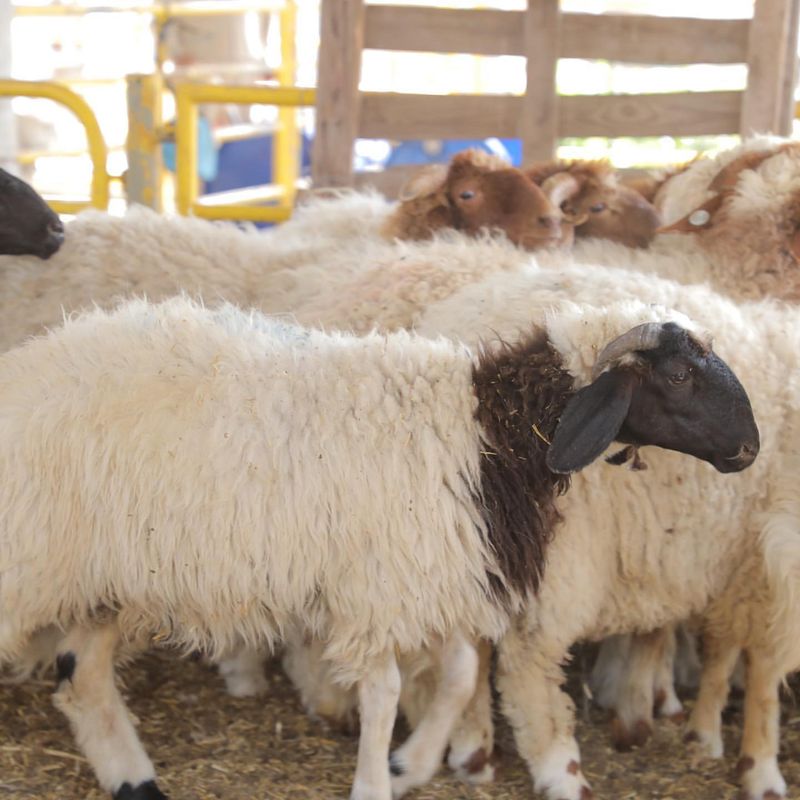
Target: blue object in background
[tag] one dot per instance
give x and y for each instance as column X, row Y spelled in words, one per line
column 442, row 150
column 248, row 162
column 207, row 162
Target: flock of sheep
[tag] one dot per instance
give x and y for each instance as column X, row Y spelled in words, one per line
column 373, row 438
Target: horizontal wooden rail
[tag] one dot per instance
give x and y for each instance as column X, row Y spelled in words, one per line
column 416, row 116
column 610, row 37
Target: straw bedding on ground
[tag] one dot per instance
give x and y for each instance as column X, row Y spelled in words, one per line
column 209, row 746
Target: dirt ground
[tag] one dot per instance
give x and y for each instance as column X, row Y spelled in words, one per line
column 207, row 745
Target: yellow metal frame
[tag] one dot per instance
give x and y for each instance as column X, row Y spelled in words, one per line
column 98, row 151
column 187, row 97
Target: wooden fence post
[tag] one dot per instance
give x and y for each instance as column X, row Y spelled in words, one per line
column 339, row 70
column 539, row 121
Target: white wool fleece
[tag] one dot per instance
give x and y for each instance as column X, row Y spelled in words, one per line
column 214, row 475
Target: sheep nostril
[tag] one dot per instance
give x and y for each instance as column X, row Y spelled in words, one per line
column 747, row 453
column 548, row 222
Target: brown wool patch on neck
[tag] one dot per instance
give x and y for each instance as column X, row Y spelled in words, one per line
column 521, row 390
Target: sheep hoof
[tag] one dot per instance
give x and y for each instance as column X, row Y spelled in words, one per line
column 625, row 738
column 396, row 767
column 478, row 768
column 762, row 779
column 703, row 745
column 143, row 791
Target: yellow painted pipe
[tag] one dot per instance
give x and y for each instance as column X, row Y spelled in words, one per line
column 249, row 213
column 187, row 184
column 61, row 94
column 199, row 9
column 286, row 140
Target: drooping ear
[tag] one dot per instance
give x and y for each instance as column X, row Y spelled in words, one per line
column 427, row 181
column 590, row 421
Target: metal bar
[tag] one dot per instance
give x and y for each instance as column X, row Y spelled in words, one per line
column 187, row 98
column 199, row 9
column 187, row 183
column 143, row 146
column 286, row 140
column 58, row 93
column 249, row 213
column 247, row 95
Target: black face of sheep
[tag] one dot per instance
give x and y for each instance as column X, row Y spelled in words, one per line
column 28, row 226
column 667, row 389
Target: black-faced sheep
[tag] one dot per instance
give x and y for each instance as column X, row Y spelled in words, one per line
column 28, row 226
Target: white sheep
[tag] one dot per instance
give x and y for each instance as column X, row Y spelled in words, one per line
column 740, row 208
column 637, row 550
column 389, row 491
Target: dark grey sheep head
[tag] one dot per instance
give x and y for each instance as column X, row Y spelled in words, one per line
column 663, row 387
column 28, row 226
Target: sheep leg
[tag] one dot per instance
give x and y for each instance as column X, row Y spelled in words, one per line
column 542, row 716
column 666, row 703
column 633, row 723
column 472, row 740
column 758, row 765
column 243, row 672
column 417, row 760
column 705, row 724
column 378, row 693
column 607, row 670
column 88, row 696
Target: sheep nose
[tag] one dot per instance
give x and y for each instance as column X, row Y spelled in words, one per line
column 56, row 230
column 550, row 223
column 747, row 454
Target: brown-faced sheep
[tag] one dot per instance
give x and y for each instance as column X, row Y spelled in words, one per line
column 477, row 192
column 604, row 207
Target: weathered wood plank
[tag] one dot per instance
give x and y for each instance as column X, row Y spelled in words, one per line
column 425, row 116
column 444, row 30
column 338, row 98
column 410, row 116
column 610, row 37
column 790, row 71
column 766, row 61
column 679, row 114
column 538, row 122
column 654, row 40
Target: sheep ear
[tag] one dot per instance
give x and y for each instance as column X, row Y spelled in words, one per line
column 591, row 421
column 701, row 218
column 427, row 181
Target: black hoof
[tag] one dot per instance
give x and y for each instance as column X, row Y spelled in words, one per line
column 144, row 791
column 395, row 767
column 65, row 666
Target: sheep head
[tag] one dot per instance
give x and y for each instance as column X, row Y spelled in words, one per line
column 753, row 216
column 601, row 206
column 28, row 226
column 658, row 384
column 474, row 193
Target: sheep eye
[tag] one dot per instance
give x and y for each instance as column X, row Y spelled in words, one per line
column 597, row 208
column 468, row 194
column 679, row 377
